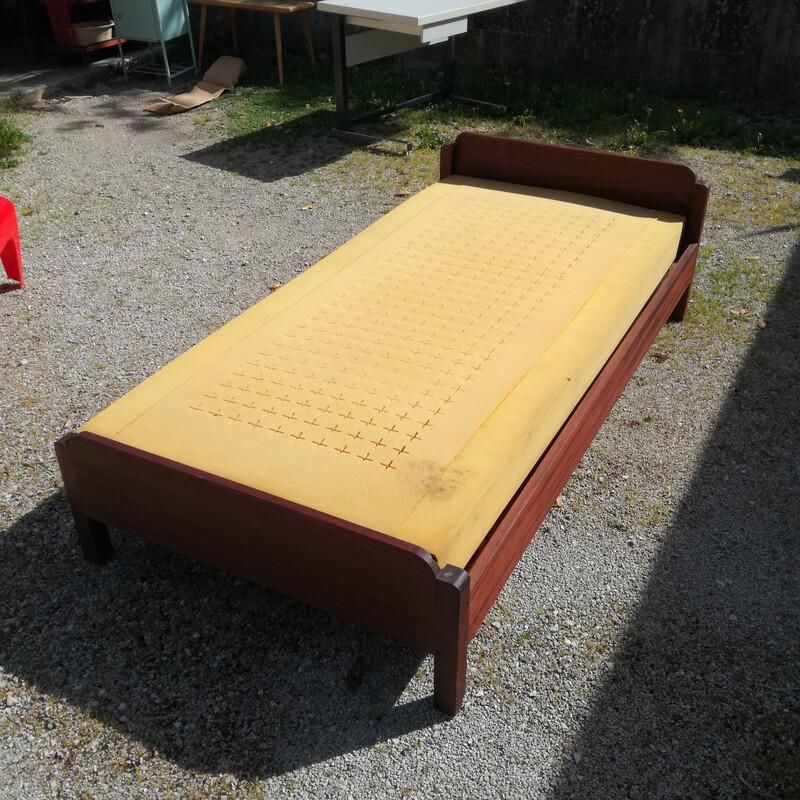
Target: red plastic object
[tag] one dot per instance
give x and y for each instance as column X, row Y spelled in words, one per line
column 61, row 23
column 10, row 253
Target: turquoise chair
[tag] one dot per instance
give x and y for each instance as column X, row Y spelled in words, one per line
column 156, row 22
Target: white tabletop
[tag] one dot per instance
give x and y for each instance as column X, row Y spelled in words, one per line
column 418, row 13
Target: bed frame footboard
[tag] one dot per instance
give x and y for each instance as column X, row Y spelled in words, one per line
column 363, row 576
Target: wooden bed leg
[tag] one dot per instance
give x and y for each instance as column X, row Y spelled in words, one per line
column 92, row 535
column 450, row 658
column 679, row 312
column 93, row 538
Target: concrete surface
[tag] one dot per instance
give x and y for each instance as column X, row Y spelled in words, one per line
column 34, row 82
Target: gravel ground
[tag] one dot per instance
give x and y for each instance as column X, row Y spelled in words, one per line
column 645, row 647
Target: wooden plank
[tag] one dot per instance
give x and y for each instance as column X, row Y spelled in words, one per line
column 273, row 6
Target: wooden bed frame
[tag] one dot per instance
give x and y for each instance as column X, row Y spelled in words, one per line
column 367, row 577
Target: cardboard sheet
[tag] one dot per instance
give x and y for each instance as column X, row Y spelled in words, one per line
column 223, row 74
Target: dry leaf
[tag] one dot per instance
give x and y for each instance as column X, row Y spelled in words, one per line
column 275, row 287
column 737, row 312
column 402, row 192
column 560, row 501
column 309, row 206
column 267, row 124
column 762, row 323
column 660, row 357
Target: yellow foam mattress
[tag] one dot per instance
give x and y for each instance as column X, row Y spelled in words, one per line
column 409, row 381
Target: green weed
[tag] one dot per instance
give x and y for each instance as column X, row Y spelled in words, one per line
column 431, row 138
column 624, row 117
column 12, row 138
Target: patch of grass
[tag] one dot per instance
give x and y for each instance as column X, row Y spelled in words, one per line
column 635, row 118
column 202, row 120
column 431, row 137
column 737, row 277
column 637, row 139
column 749, row 198
column 12, row 138
column 621, row 117
column 757, row 195
column 260, row 104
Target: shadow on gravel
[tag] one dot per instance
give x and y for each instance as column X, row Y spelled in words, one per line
column 115, row 105
column 289, row 149
column 286, row 150
column 709, row 676
column 792, row 174
column 211, row 673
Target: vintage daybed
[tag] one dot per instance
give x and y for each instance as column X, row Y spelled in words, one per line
column 383, row 435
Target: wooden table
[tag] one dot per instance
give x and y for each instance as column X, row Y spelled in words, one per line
column 277, row 7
